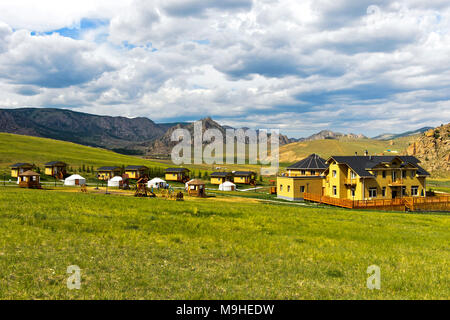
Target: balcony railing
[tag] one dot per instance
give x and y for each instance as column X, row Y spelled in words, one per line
column 396, row 183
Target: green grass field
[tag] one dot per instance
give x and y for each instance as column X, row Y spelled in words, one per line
column 218, row 248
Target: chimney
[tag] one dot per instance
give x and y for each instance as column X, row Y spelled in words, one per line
column 366, row 153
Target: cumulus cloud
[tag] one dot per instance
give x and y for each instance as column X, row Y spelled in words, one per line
column 361, row 66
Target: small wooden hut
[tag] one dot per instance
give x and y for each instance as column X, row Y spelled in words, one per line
column 19, row 168
column 136, row 172
column 30, row 179
column 107, row 173
column 196, row 188
column 177, row 174
column 57, row 169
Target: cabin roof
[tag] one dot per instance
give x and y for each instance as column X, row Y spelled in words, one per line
column 108, row 168
column 176, row 170
column 221, row 174
column 54, row 163
column 136, row 168
column 29, row 173
column 362, row 164
column 21, row 164
column 312, row 162
column 196, row 182
column 243, row 173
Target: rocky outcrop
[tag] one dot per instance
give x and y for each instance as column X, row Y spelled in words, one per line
column 432, row 148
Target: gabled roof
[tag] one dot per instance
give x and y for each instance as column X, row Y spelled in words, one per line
column 108, row 168
column 176, row 170
column 21, row 164
column 243, row 173
column 136, row 168
column 312, row 162
column 221, row 174
column 54, row 163
column 361, row 164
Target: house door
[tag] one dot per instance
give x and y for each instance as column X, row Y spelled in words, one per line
column 394, row 194
column 394, row 176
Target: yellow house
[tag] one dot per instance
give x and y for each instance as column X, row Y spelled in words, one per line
column 374, row 177
column 221, row 177
column 19, row 168
column 244, row 177
column 136, row 172
column 177, row 174
column 106, row 173
column 303, row 176
column 56, row 169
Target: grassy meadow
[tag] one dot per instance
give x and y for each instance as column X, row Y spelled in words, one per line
column 216, row 248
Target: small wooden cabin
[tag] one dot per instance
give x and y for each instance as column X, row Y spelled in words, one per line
column 196, row 188
column 30, row 179
column 177, row 174
column 136, row 172
column 56, row 169
column 106, row 173
column 19, row 168
column 221, row 177
column 245, row 177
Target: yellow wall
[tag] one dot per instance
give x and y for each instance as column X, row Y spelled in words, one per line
column 243, row 180
column 290, row 188
column 174, row 176
column 15, row 172
column 48, row 171
column 217, row 180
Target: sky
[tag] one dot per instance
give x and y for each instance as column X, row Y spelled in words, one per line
column 300, row 66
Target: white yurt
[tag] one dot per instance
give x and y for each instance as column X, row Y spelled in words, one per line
column 157, row 183
column 227, row 186
column 115, row 182
column 74, row 180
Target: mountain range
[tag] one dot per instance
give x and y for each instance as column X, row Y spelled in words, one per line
column 138, row 136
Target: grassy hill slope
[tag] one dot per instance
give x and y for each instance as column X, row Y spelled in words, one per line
column 325, row 148
column 17, row 148
column 130, row 248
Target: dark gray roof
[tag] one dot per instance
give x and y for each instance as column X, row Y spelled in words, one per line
column 360, row 164
column 312, row 162
column 52, row 163
column 136, row 168
column 107, row 168
column 243, row 173
column 169, row 170
column 221, row 174
column 21, row 164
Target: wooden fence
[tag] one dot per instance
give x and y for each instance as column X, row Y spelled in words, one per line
column 441, row 203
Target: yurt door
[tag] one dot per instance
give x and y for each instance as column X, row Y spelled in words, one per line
column 77, row 182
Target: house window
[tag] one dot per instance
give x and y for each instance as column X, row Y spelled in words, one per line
column 353, row 192
column 334, row 191
column 289, row 189
column 313, row 173
column 302, row 189
column 372, row 192
column 404, row 173
column 303, row 173
column 334, row 173
column 281, row 187
column 353, row 175
column 383, row 192
column 375, row 173
column 384, row 174
column 404, row 193
column 414, row 191
column 413, row 174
